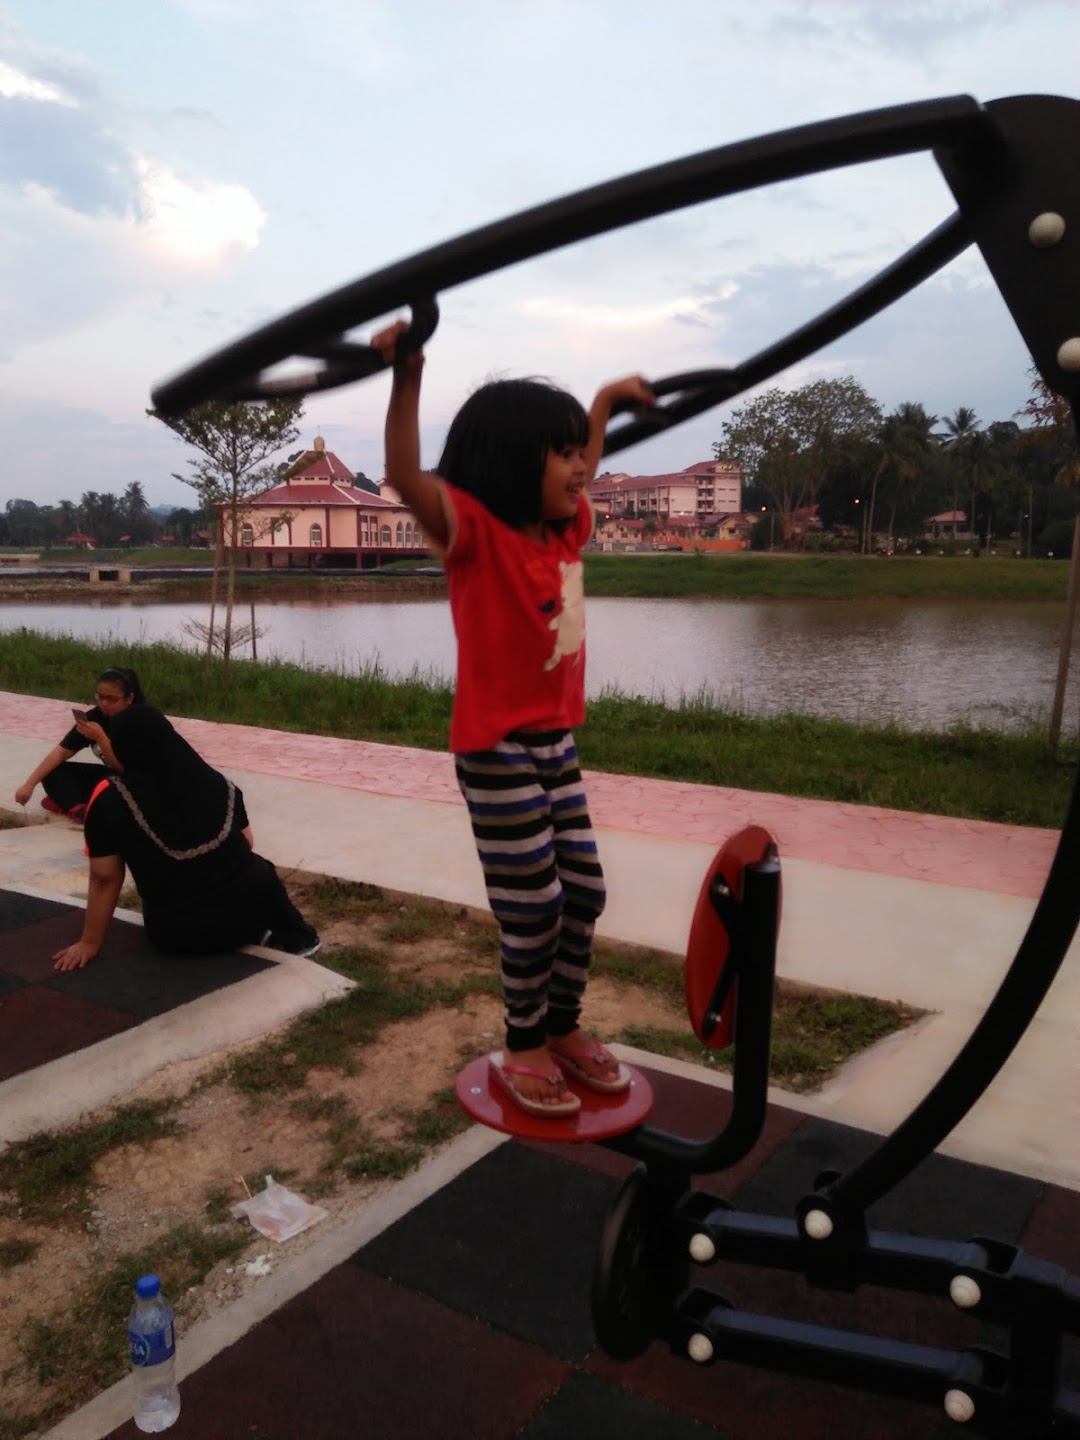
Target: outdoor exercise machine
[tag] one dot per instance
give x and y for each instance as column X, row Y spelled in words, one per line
column 1011, row 167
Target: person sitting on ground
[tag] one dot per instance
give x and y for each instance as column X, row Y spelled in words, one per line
column 181, row 828
column 68, row 784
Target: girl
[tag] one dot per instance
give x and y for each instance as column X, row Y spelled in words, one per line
column 509, row 511
column 180, row 827
column 68, row 786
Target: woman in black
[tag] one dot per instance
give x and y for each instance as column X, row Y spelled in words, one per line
column 68, row 786
column 181, row 828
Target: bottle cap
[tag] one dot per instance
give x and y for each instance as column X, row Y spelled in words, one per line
column 147, row 1287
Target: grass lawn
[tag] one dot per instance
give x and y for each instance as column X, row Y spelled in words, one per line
column 976, row 774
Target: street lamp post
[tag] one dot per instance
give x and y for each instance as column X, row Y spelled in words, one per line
column 1031, row 507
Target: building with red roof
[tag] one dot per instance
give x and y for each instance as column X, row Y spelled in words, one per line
column 700, row 508
column 317, row 517
column 950, row 525
column 703, row 491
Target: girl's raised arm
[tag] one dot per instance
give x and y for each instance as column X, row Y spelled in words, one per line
column 635, row 389
column 420, row 490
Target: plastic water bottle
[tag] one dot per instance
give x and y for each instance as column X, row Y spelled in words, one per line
column 153, row 1357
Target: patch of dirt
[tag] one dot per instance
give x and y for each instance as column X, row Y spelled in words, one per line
column 140, row 1192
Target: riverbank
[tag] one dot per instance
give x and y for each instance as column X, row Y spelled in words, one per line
column 966, row 772
column 641, row 576
column 298, row 585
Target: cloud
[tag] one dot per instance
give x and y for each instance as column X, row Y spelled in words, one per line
column 60, row 269
column 201, row 223
column 14, row 85
column 56, row 452
column 91, row 223
column 610, row 317
column 47, row 140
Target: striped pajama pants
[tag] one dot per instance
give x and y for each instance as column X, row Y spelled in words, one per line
column 544, row 884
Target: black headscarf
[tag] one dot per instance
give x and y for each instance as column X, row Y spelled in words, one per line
column 182, row 803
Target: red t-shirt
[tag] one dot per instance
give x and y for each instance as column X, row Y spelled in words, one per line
column 518, row 607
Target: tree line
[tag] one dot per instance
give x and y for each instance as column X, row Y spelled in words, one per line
column 108, row 519
column 827, row 445
column 880, row 477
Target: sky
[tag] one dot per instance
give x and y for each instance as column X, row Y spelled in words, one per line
column 174, row 173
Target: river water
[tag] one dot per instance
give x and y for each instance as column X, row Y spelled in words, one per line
column 922, row 664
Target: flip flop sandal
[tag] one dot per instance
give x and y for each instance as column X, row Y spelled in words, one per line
column 570, row 1066
column 501, row 1070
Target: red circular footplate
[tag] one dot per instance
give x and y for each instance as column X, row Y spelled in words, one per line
column 600, row 1116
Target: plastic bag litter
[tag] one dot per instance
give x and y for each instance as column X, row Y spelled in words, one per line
column 277, row 1213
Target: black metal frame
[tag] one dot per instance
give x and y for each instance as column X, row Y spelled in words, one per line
column 642, row 1286
column 1006, row 163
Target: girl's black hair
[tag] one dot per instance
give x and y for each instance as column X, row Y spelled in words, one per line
column 126, row 679
column 498, row 444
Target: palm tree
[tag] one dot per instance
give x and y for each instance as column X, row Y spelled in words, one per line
column 984, row 462
column 916, row 442
column 134, row 508
column 961, row 429
column 89, row 505
column 108, row 518
column 67, row 515
column 903, row 440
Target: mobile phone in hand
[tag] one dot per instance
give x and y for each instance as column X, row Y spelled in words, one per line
column 83, row 715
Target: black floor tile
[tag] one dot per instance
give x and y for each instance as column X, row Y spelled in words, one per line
column 512, row 1239
column 145, row 983
column 37, row 1025
column 595, row 1409
column 8, row 983
column 941, row 1198
column 469, row 1318
column 17, row 910
column 28, row 952
column 357, row 1356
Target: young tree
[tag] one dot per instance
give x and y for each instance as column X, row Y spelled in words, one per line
column 1052, row 429
column 235, row 443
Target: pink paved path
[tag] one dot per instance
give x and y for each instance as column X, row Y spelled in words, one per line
column 974, row 854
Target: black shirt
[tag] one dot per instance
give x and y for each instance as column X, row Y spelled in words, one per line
column 75, row 742
column 111, row 829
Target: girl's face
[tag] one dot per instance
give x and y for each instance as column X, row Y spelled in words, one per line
column 110, row 698
column 563, row 481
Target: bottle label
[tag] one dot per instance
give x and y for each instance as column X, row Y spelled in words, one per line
column 152, row 1349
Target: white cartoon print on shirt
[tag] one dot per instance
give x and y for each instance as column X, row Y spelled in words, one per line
column 569, row 624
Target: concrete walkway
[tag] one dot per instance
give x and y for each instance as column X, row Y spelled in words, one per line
column 918, row 908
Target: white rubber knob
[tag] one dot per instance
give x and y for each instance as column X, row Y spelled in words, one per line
column 1046, row 229
column 699, row 1348
column 817, row 1225
column 702, row 1248
column 964, row 1291
column 1068, row 356
column 959, row 1406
